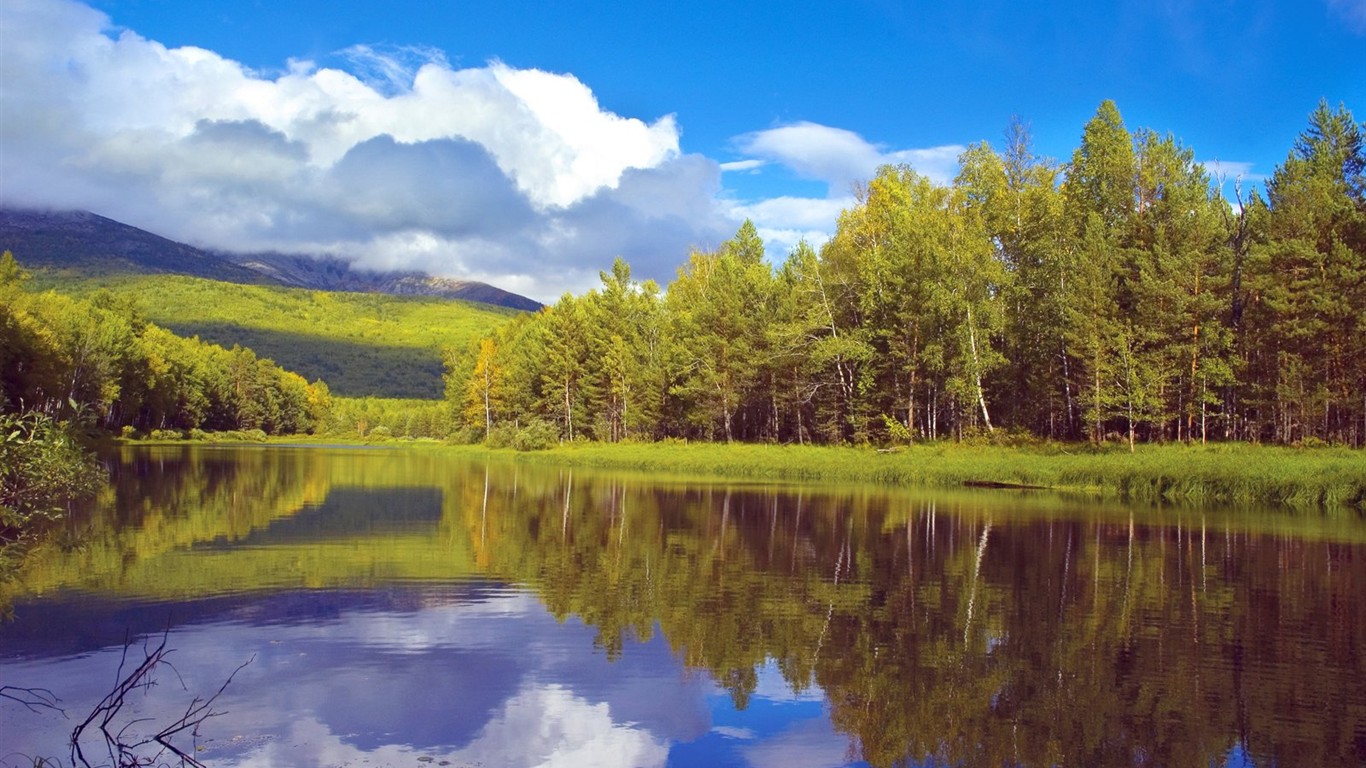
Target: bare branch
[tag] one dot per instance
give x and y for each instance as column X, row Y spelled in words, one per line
column 125, row 748
column 32, row 699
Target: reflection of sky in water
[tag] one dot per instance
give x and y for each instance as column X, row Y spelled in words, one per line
column 475, row 675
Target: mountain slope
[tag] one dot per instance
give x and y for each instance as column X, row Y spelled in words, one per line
column 78, row 243
column 360, row 344
column 329, row 273
column 82, row 243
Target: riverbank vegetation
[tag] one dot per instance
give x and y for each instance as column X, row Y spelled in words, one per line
column 1278, row 477
column 1119, row 297
column 42, row 468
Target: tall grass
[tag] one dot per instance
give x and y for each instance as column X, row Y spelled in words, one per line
column 1219, row 474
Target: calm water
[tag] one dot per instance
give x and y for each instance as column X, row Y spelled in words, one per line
column 410, row 610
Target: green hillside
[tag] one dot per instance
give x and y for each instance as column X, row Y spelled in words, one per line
column 360, row 344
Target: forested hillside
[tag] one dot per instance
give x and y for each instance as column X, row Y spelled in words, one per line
column 1118, row 296
column 100, row 363
column 360, row 344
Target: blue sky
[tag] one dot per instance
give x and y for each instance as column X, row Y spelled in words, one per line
column 547, row 139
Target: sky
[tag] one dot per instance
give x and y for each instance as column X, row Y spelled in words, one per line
column 528, row 145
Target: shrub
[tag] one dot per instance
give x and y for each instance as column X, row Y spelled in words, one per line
column 536, row 435
column 501, row 435
column 464, row 436
column 41, row 466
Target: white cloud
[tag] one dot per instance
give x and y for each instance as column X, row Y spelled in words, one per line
column 783, row 222
column 743, row 165
column 804, row 744
column 495, row 173
column 832, row 155
column 842, row 158
column 551, row 726
column 796, row 212
column 390, row 70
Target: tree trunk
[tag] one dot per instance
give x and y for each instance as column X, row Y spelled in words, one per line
column 977, row 371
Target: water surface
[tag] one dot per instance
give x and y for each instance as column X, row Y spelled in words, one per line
column 406, row 609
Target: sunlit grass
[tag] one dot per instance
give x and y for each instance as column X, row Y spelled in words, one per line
column 1219, row 474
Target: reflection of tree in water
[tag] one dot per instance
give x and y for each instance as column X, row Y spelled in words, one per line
column 952, row 630
column 958, row 634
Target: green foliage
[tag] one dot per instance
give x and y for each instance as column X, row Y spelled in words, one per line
column 41, row 467
column 360, row 344
column 361, row 416
column 1303, row 355
column 1118, row 297
column 1217, row 474
column 99, row 363
column 534, row 435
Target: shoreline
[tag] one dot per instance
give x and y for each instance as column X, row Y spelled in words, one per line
column 1327, row 479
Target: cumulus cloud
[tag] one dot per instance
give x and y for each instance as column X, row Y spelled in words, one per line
column 514, row 176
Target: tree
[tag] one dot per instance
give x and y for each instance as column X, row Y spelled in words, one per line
column 1016, row 195
column 718, row 307
column 1308, row 287
column 482, row 393
column 1098, row 203
column 566, row 384
column 624, row 318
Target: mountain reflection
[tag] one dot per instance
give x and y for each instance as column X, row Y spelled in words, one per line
column 402, row 604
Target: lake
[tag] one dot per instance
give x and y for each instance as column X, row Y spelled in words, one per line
column 393, row 607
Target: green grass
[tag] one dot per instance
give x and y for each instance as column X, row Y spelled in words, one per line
column 360, row 344
column 1202, row 475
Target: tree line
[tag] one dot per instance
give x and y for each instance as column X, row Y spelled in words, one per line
column 1119, row 296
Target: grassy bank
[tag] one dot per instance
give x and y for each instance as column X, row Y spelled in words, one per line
column 1223, row 474
column 1323, row 478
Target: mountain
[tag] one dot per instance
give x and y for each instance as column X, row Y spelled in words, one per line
column 86, row 244
column 328, row 273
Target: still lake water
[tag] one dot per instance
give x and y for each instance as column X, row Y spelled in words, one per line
column 406, row 609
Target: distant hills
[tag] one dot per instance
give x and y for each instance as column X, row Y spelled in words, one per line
column 82, row 244
column 366, row 334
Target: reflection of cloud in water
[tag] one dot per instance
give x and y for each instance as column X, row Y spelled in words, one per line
column 495, row 679
column 732, row 732
column 810, row 743
column 551, row 726
column 542, row 725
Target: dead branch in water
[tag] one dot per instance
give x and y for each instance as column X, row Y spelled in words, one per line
column 125, row 748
